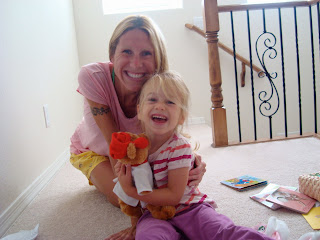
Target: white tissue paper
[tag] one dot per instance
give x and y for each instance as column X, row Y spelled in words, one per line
column 277, row 229
column 23, row 235
column 310, row 236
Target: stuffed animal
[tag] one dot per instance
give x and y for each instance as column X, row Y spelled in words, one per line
column 133, row 149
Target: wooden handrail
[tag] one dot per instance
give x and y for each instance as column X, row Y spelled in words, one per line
column 283, row 4
column 196, row 29
column 230, row 51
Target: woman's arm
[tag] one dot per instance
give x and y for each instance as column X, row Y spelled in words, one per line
column 171, row 195
column 103, row 118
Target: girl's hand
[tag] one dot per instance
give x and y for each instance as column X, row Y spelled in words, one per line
column 196, row 174
column 125, row 178
column 117, row 168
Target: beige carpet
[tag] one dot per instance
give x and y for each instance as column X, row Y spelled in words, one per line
column 68, row 208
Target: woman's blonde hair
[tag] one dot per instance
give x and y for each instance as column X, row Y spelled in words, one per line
column 151, row 29
column 172, row 86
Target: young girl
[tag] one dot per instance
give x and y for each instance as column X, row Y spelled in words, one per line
column 162, row 110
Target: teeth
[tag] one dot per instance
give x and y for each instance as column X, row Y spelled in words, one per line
column 135, row 75
column 159, row 117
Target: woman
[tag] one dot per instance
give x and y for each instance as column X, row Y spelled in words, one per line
column 111, row 90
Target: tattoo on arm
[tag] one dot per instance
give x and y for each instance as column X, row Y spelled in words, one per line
column 99, row 111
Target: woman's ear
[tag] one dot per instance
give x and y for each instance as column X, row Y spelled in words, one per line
column 138, row 111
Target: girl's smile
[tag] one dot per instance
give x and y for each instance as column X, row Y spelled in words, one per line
column 159, row 114
column 157, row 118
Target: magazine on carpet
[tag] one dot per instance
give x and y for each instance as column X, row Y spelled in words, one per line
column 244, row 182
column 293, row 200
column 261, row 197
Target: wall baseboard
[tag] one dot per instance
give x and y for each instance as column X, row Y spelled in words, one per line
column 289, row 133
column 9, row 216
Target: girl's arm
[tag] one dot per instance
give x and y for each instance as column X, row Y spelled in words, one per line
column 171, row 195
column 103, row 118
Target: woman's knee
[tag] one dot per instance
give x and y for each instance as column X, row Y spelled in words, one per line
column 113, row 200
column 102, row 178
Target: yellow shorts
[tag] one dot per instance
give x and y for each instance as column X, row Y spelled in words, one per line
column 86, row 162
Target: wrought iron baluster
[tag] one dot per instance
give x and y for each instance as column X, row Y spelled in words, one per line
column 264, row 19
column 265, row 30
column 313, row 71
column 318, row 14
column 283, row 77
column 315, row 100
column 252, row 84
column 269, row 41
column 236, row 76
column 298, row 66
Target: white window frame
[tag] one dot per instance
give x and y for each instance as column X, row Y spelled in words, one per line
column 132, row 6
column 265, row 1
column 260, row 1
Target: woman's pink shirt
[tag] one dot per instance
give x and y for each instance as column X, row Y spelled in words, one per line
column 95, row 83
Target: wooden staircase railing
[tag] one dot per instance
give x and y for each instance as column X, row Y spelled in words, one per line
column 281, row 4
column 228, row 50
column 211, row 12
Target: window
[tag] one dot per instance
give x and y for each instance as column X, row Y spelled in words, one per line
column 130, row 6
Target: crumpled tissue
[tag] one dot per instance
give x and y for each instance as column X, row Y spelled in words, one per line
column 23, row 235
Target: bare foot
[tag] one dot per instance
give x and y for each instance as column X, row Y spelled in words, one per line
column 126, row 234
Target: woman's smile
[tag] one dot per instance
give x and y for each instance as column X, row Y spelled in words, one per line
column 133, row 60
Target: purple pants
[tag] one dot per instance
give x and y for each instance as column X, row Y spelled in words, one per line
column 200, row 221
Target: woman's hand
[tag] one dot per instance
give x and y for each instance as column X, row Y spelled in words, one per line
column 196, row 174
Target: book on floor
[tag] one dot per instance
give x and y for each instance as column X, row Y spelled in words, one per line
column 293, row 200
column 313, row 218
column 244, row 182
column 261, row 197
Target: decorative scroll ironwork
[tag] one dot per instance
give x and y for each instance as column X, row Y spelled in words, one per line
column 267, row 41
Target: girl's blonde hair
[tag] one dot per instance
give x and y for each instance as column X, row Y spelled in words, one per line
column 172, row 86
column 151, row 29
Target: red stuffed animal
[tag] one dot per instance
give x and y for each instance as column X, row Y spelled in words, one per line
column 133, row 149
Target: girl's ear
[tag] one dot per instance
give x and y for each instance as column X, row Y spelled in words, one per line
column 182, row 119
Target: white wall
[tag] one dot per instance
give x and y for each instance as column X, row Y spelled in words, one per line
column 39, row 65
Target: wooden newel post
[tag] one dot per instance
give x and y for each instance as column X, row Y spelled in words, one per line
column 218, row 112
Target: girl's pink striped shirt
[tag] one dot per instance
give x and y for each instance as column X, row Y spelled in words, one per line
column 176, row 153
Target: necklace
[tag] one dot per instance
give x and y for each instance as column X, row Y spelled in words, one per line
column 113, row 76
